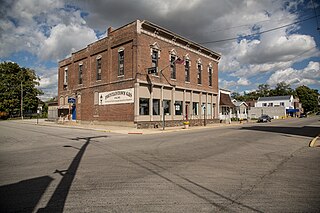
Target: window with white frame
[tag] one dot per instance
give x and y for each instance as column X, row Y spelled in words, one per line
column 173, row 57
column 154, row 60
column 166, row 107
column 187, row 70
column 199, row 70
column 98, row 77
column 80, row 73
column 155, row 55
column 144, row 106
column 173, row 66
column 156, row 106
column 65, row 79
column 195, row 108
column 210, row 75
column 121, row 62
column 178, row 107
column 209, row 108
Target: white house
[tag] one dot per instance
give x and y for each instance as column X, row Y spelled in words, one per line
column 275, row 101
column 240, row 110
column 225, row 105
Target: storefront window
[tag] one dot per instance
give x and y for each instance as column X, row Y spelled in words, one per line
column 209, row 107
column 195, row 108
column 156, row 106
column 144, row 106
column 166, row 107
column 178, row 107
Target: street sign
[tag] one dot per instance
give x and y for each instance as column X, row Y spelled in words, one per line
column 71, row 100
column 152, row 70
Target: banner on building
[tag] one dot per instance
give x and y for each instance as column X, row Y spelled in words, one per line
column 117, row 97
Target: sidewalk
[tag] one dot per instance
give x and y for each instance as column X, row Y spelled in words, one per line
column 122, row 129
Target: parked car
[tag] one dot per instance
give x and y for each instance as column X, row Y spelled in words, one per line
column 264, row 118
column 318, row 113
column 303, row 115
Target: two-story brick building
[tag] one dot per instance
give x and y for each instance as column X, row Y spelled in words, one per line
column 108, row 80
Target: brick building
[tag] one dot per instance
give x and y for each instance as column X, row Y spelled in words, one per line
column 109, row 81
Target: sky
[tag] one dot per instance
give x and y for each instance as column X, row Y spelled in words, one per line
column 261, row 41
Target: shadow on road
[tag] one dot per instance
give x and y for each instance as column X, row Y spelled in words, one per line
column 58, row 199
column 179, row 180
column 24, row 195
column 308, row 131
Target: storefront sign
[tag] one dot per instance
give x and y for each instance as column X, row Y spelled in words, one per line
column 117, row 97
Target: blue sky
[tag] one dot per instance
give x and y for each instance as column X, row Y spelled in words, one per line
column 39, row 33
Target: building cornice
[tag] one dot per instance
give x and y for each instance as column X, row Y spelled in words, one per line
column 161, row 33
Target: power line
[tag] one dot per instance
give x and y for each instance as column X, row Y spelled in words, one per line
column 315, row 13
column 259, row 33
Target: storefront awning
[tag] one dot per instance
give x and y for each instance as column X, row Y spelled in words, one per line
column 292, row 110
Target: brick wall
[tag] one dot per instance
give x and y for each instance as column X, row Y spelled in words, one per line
column 137, row 59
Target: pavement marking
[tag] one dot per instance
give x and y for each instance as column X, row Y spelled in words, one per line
column 313, row 141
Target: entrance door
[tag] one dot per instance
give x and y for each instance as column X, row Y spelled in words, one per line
column 187, row 110
column 74, row 113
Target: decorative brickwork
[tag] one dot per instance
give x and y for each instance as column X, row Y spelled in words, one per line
column 124, row 58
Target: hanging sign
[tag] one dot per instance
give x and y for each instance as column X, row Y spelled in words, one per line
column 117, row 97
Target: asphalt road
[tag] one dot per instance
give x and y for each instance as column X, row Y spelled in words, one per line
column 247, row 168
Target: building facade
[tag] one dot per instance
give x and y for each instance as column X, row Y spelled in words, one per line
column 274, row 101
column 142, row 74
column 225, row 105
column 240, row 110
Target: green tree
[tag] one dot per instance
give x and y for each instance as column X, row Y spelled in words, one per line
column 12, row 76
column 263, row 90
column 308, row 97
column 282, row 89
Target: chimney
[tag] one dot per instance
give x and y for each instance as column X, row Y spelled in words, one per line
column 110, row 29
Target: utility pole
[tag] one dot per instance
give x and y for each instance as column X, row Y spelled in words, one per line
column 21, row 101
column 164, row 117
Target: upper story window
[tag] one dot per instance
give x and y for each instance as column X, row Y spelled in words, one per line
column 199, row 71
column 210, row 75
column 173, row 58
column 98, row 68
column 154, row 59
column 173, row 66
column 80, row 73
column 187, row 64
column 155, row 55
column 121, row 62
column 65, row 78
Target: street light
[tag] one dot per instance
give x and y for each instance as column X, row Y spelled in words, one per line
column 204, row 111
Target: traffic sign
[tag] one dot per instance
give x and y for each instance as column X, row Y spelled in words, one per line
column 152, row 70
column 71, row 100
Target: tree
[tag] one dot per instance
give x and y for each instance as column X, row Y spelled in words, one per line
column 263, row 90
column 308, row 97
column 282, row 89
column 235, row 95
column 12, row 76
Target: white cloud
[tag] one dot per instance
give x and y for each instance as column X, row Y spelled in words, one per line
column 44, row 28
column 308, row 75
column 243, row 82
column 50, row 30
column 65, row 39
column 224, row 84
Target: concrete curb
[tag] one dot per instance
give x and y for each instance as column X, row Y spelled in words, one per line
column 313, row 141
column 130, row 131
